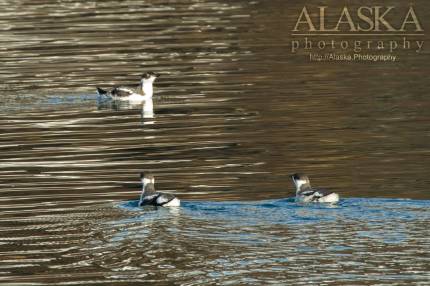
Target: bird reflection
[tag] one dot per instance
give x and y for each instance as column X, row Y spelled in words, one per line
column 148, row 112
column 146, row 106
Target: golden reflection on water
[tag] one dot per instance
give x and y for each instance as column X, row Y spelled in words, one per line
column 233, row 115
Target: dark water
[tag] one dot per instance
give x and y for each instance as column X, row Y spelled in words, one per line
column 235, row 113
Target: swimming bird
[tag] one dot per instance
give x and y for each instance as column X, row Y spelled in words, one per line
column 305, row 193
column 143, row 92
column 150, row 197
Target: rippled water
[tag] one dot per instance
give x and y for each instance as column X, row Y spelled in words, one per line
column 360, row 241
column 235, row 113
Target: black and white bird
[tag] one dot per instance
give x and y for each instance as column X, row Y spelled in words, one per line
column 305, row 193
column 143, row 92
column 150, row 197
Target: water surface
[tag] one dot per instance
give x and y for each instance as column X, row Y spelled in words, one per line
column 235, row 113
